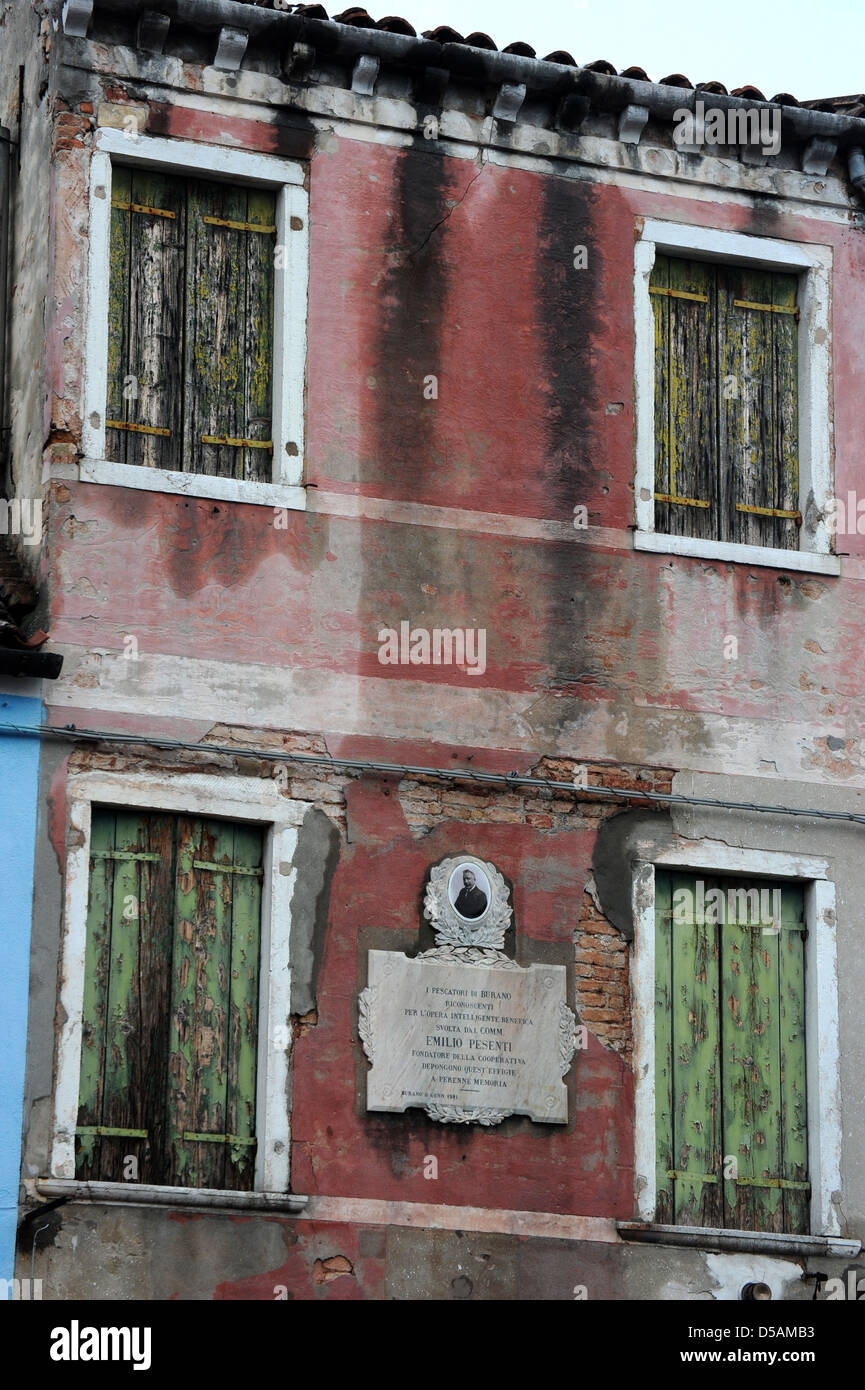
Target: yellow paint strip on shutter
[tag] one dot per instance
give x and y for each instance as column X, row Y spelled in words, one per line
column 237, row 443
column 135, row 429
column 768, row 308
column 142, row 207
column 679, row 294
column 682, row 501
column 237, row 226
column 770, row 511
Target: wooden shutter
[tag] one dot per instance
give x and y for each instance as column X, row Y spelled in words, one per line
column 145, row 318
column 128, row 955
column 190, row 325
column 763, row 1062
column 214, row 1005
column 730, row 1061
column 228, row 353
column 169, row 1040
column 686, row 437
column 759, row 458
column 726, row 416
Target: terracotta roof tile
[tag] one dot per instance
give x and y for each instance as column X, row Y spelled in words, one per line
column 359, row 18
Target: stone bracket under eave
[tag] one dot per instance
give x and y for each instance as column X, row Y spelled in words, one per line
column 231, row 48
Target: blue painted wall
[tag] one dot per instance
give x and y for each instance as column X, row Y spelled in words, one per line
column 19, row 774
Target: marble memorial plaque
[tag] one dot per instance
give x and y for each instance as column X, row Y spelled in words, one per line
column 462, row 1030
column 467, row 1042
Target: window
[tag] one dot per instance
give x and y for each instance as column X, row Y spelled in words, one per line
column 726, row 395
column 196, row 321
column 661, row 955
column 732, row 389
column 730, row 1072
column 170, row 1011
column 190, row 325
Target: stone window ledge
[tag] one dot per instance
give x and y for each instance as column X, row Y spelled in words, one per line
column 188, row 1198
column 751, row 1242
column 807, row 561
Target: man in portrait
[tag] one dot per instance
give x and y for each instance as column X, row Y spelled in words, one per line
column 471, row 900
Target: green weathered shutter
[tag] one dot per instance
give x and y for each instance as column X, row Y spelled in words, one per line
column 688, row 1115
column 170, row 1027
column 730, row 1058
column 229, row 342
column 145, row 318
column 214, row 1007
column 128, row 953
column 763, row 1063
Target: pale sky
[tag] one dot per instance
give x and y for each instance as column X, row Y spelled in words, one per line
column 812, row 48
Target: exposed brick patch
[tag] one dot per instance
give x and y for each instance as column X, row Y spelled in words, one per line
column 426, row 801
column 603, row 985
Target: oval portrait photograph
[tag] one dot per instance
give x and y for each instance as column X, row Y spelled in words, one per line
column 469, row 891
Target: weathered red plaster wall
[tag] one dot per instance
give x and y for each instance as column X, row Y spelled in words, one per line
column 426, row 266
column 338, row 1148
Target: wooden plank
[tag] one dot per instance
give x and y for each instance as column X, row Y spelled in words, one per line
column 215, row 349
column 751, row 1068
column 258, row 320
column 243, row 1006
column 794, row 1117
column 660, row 280
column 213, row 962
column 117, row 406
column 156, row 939
column 123, row 1078
column 180, row 1158
column 785, row 381
column 696, row 1081
column 747, row 429
column 96, row 974
column 156, row 316
column 693, row 410
column 663, row 1048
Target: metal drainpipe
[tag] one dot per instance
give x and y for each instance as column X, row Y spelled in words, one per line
column 856, row 168
column 5, row 182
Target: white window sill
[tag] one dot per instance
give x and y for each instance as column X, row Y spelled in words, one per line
column 286, row 495
column 753, row 1242
column 149, row 1195
column 805, row 560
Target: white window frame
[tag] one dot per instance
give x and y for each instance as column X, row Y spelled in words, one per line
column 229, row 798
column 813, row 264
column 291, row 274
column 822, row 1047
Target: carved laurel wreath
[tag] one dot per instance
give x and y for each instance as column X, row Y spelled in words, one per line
column 453, row 930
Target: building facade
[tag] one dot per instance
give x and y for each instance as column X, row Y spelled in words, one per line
column 441, row 451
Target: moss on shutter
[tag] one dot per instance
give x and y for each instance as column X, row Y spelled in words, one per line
column 730, row 1057
column 726, row 415
column 190, row 325
column 169, row 1041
